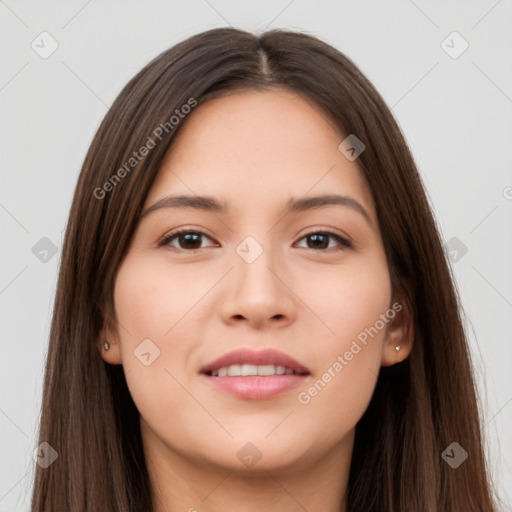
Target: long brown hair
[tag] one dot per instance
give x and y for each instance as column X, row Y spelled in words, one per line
column 419, row 406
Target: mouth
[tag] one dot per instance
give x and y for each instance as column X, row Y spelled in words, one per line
column 255, row 375
column 247, row 370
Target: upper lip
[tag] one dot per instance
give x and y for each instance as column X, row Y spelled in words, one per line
column 257, row 358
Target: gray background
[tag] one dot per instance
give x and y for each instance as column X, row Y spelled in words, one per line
column 455, row 113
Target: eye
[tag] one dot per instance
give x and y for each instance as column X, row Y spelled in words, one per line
column 186, row 239
column 191, row 240
column 319, row 239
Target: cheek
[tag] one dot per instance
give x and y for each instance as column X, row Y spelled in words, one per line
column 353, row 304
column 151, row 306
column 152, row 299
column 348, row 299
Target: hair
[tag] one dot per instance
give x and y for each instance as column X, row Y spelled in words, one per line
column 419, row 406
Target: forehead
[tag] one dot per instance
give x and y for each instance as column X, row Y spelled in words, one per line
column 258, row 148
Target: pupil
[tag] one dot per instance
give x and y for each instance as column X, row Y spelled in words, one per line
column 187, row 238
column 317, row 237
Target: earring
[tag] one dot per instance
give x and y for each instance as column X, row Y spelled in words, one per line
column 397, row 348
column 106, row 345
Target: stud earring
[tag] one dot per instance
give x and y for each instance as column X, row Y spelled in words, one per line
column 397, row 348
column 106, row 345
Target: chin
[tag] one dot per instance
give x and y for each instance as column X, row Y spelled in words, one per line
column 247, row 453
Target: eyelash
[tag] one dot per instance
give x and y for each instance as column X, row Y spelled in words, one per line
column 166, row 241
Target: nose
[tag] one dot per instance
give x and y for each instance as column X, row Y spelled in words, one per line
column 259, row 296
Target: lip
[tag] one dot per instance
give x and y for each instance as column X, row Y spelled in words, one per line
column 256, row 387
column 257, row 358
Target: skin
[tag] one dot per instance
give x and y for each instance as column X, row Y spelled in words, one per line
column 254, row 150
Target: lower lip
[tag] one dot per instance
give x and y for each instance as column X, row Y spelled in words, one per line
column 256, row 387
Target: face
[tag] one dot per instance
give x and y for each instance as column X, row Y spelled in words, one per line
column 303, row 289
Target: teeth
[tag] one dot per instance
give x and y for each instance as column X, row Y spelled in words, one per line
column 233, row 370
column 268, row 369
column 244, row 370
column 248, row 369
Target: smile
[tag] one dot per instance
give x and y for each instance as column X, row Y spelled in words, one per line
column 255, row 375
column 245, row 370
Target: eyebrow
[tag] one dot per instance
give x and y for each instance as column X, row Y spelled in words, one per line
column 294, row 205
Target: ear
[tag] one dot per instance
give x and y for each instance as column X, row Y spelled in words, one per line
column 109, row 334
column 399, row 335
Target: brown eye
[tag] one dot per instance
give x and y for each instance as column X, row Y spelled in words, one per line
column 186, row 239
column 320, row 240
column 189, row 240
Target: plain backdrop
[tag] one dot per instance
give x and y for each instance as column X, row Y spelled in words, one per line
column 453, row 103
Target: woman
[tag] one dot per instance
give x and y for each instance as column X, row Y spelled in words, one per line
column 254, row 308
